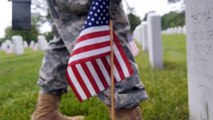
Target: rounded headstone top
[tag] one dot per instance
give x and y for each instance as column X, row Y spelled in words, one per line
column 41, row 37
column 144, row 23
column 16, row 37
column 153, row 14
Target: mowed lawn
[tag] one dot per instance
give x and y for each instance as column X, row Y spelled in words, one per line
column 167, row 88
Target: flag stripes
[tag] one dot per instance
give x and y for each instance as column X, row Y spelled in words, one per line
column 134, row 48
column 94, row 75
column 89, row 66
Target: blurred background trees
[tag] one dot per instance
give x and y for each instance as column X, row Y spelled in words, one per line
column 41, row 16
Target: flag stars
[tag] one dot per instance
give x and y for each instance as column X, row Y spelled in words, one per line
column 98, row 14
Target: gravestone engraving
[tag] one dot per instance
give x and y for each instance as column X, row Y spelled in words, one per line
column 199, row 22
column 155, row 41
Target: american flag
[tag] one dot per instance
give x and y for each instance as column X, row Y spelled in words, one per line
column 88, row 70
column 133, row 47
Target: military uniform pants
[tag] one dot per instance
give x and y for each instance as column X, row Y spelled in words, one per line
column 52, row 78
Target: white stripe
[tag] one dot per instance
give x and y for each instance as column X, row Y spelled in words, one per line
column 133, row 48
column 116, row 73
column 103, row 70
column 95, row 76
column 85, row 79
column 76, row 84
column 136, row 47
column 134, row 52
column 91, row 41
column 121, row 62
column 94, row 29
column 89, row 54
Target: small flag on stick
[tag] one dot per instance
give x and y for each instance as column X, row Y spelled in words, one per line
column 88, row 70
column 133, row 47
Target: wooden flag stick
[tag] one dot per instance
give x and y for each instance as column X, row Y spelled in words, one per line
column 112, row 72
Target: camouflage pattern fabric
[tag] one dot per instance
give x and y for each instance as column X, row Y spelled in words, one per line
column 68, row 19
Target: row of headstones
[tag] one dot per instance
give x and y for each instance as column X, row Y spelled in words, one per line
column 17, row 45
column 199, row 22
column 175, row 30
column 148, row 34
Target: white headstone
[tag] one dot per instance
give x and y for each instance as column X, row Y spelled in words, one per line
column 3, row 46
column 18, row 45
column 184, row 29
column 25, row 44
column 144, row 37
column 179, row 30
column 137, row 34
column 42, row 43
column 199, row 22
column 32, row 43
column 8, row 47
column 35, row 47
column 155, row 41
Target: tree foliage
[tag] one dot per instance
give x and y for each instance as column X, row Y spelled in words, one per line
column 173, row 19
column 134, row 21
column 27, row 35
column 40, row 15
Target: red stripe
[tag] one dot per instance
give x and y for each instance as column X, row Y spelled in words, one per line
column 117, row 65
column 90, row 77
column 80, row 80
column 89, row 58
column 124, row 57
column 73, row 86
column 108, row 67
column 91, row 47
column 93, row 35
column 99, row 73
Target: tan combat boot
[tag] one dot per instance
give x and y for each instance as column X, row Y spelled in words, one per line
column 128, row 114
column 47, row 109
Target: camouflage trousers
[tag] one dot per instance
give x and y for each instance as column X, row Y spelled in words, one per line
column 52, row 79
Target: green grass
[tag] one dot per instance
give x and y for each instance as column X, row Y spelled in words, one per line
column 167, row 88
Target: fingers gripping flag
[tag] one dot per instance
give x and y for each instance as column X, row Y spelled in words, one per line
column 88, row 70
